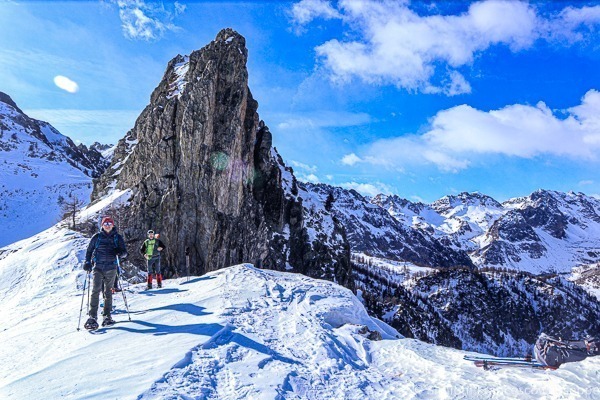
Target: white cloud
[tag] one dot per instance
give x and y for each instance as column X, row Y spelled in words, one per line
column 147, row 20
column 305, row 172
column 454, row 84
column 461, row 134
column 304, row 167
column 392, row 44
column 311, row 178
column 519, row 130
column 369, row 189
column 307, row 10
column 572, row 24
column 586, row 183
column 351, row 159
column 66, row 84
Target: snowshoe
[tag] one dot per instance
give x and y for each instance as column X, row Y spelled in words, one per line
column 108, row 321
column 91, row 324
column 149, row 287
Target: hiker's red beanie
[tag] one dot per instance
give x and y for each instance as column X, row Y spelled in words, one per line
column 107, row 219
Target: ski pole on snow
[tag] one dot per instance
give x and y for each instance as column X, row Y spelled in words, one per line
column 123, row 289
column 82, row 298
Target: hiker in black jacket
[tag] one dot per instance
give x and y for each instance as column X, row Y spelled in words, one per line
column 151, row 250
column 101, row 260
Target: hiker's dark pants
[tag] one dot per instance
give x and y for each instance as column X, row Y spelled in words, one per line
column 154, row 265
column 108, row 279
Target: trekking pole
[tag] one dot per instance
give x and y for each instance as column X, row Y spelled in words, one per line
column 87, row 310
column 123, row 289
column 82, row 298
column 187, row 262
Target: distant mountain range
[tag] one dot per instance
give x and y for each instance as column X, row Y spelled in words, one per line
column 547, row 231
column 39, row 164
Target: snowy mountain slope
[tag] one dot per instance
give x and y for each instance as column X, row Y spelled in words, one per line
column 38, row 165
column 458, row 221
column 547, row 231
column 235, row 333
column 371, row 229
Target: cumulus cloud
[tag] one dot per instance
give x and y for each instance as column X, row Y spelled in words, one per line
column 310, row 178
column 368, row 189
column 304, row 167
column 305, row 172
column 307, row 10
column 392, row 44
column 147, row 20
column 351, row 159
column 462, row 133
column 572, row 24
column 66, row 84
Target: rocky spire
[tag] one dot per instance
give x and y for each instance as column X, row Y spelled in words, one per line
column 205, row 176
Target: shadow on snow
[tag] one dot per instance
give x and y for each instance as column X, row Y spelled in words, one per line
column 198, row 279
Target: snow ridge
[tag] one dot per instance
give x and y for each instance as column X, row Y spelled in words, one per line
column 239, row 332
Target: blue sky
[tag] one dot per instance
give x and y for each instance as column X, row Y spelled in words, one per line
column 420, row 99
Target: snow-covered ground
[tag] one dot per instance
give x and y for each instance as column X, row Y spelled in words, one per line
column 236, row 333
column 29, row 192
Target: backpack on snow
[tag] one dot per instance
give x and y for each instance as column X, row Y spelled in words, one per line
column 553, row 352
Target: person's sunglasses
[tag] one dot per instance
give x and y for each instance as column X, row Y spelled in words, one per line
column 107, row 223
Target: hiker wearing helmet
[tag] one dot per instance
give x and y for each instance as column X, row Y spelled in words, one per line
column 101, row 261
column 151, row 250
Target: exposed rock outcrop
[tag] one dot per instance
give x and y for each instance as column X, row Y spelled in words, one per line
column 204, row 174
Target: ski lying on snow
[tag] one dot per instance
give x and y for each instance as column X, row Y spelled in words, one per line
column 501, row 362
column 483, row 358
column 491, row 365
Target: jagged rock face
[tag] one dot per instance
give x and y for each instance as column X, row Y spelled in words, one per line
column 205, row 176
column 372, row 229
column 498, row 313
